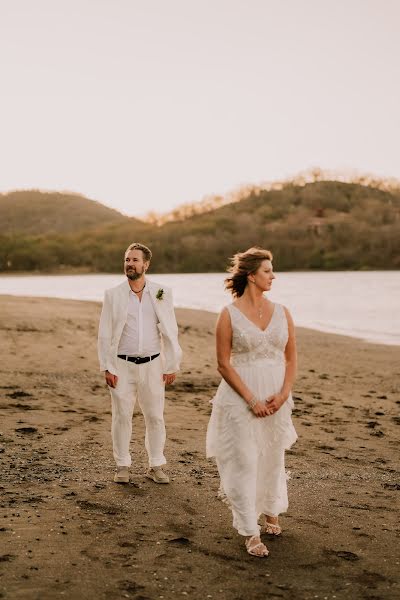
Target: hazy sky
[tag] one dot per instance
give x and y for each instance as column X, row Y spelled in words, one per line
column 147, row 104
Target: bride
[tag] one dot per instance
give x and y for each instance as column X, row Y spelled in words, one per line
column 250, row 425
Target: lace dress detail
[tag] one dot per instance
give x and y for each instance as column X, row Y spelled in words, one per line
column 250, row 451
column 250, row 343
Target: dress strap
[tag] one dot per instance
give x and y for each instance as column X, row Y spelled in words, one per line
column 232, row 313
column 281, row 314
column 278, row 311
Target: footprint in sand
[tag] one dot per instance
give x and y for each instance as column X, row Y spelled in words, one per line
column 130, row 586
column 179, row 541
column 19, row 406
column 69, row 495
column 391, row 486
column 61, row 429
column 19, row 394
column 7, row 557
column 345, row 554
column 99, row 508
column 92, row 419
column 127, row 544
column 377, row 433
column 26, row 430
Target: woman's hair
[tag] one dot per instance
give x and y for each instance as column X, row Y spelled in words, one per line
column 145, row 250
column 243, row 265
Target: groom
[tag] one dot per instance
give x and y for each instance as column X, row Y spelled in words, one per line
column 137, row 317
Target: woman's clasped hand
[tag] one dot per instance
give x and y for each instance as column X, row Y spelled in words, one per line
column 265, row 408
column 260, row 409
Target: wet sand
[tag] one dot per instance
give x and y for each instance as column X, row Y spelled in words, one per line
column 68, row 531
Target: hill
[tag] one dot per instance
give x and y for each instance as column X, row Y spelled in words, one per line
column 320, row 225
column 33, row 212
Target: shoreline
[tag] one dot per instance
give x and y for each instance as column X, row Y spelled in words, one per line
column 85, row 271
column 298, row 327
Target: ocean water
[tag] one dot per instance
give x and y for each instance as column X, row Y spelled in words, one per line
column 363, row 305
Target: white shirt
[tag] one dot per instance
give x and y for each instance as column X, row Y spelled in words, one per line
column 140, row 336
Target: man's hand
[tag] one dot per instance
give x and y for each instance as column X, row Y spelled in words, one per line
column 111, row 380
column 169, row 378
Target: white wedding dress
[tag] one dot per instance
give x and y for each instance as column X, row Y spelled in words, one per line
column 249, row 450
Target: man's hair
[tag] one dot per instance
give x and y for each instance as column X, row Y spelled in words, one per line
column 244, row 264
column 146, row 251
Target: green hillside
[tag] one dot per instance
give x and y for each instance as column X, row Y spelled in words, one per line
column 32, row 212
column 321, row 225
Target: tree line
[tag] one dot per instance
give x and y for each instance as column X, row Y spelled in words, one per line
column 320, row 225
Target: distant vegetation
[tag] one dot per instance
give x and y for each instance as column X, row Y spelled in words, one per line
column 35, row 212
column 316, row 225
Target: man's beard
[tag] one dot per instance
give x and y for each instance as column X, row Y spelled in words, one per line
column 134, row 275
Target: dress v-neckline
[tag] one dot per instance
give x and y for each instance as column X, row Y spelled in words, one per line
column 250, row 321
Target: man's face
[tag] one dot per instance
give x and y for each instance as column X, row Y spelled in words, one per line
column 134, row 265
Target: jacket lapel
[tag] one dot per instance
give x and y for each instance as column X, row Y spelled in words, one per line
column 123, row 301
column 153, row 289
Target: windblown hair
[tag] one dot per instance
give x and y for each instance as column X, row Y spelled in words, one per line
column 147, row 254
column 243, row 265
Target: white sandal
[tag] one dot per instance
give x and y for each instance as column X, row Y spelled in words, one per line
column 253, row 544
column 271, row 528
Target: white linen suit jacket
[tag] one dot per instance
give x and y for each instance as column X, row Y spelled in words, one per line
column 113, row 318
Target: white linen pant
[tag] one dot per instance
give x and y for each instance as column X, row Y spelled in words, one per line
column 143, row 382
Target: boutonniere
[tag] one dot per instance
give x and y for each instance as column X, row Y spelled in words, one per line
column 160, row 294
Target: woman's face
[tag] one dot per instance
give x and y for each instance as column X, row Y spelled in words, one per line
column 264, row 275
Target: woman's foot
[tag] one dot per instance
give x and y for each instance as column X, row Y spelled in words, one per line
column 271, row 526
column 255, row 547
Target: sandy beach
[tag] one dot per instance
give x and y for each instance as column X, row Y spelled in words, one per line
column 68, row 531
